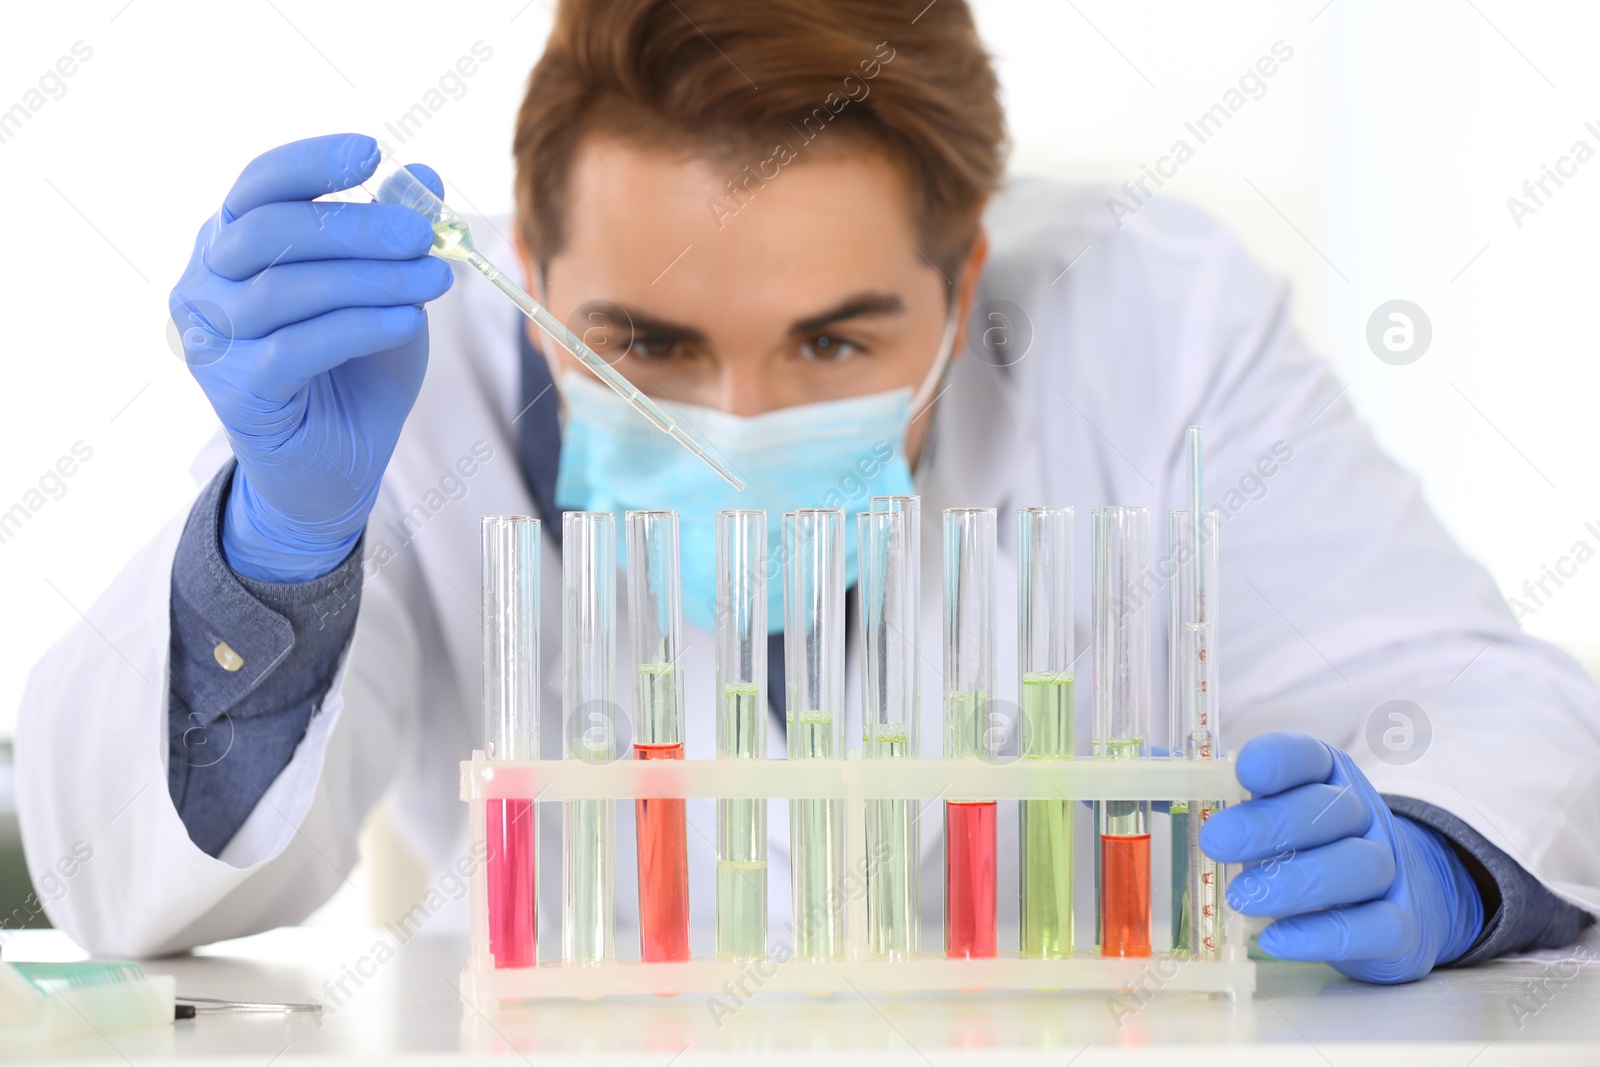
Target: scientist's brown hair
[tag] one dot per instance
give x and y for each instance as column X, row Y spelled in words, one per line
column 740, row 81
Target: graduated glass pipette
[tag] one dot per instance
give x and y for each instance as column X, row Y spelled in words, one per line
column 394, row 184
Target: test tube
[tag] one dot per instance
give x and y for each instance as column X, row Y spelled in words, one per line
column 970, row 924
column 510, row 598
column 655, row 614
column 912, row 506
column 886, row 584
column 588, row 658
column 1123, row 589
column 813, row 650
column 1045, row 652
column 1194, row 733
column 742, row 730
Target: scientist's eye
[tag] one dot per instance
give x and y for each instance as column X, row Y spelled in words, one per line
column 827, row 348
column 657, row 348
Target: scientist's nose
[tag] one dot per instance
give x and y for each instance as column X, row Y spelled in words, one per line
column 743, row 388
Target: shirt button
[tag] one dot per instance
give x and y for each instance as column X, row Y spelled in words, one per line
column 226, row 657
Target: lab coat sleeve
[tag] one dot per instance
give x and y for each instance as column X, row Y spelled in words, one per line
column 1348, row 611
column 250, row 664
column 1519, row 914
column 92, row 749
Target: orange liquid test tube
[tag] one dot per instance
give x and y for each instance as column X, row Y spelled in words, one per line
column 1120, row 619
column 655, row 617
column 663, row 870
column 1125, row 891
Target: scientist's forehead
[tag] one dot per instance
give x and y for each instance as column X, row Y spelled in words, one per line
column 829, row 222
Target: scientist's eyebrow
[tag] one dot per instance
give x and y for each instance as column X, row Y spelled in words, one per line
column 657, row 331
column 855, row 307
column 660, row 331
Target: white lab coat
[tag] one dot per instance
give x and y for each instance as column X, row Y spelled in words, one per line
column 1339, row 591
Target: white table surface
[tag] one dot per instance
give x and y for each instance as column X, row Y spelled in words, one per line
column 1303, row 1013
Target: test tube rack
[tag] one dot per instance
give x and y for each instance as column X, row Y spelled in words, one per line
column 1231, row 973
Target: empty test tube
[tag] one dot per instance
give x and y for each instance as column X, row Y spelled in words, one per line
column 742, row 730
column 655, row 618
column 813, row 649
column 886, row 584
column 1045, row 653
column 912, row 506
column 588, row 659
column 510, row 598
column 969, row 597
column 1121, row 623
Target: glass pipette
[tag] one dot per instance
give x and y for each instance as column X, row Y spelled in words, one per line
column 453, row 240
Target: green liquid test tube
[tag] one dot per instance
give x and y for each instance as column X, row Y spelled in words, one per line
column 813, row 648
column 588, row 679
column 741, row 730
column 1045, row 655
column 887, row 587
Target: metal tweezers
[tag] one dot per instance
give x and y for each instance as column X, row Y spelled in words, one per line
column 214, row 1006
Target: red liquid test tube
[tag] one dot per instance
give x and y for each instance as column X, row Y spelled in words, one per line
column 971, row 922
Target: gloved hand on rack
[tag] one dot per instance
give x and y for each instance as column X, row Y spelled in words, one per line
column 1381, row 898
column 303, row 324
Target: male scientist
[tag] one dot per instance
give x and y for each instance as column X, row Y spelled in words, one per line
column 787, row 220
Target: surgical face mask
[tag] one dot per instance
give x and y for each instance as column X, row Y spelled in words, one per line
column 836, row 454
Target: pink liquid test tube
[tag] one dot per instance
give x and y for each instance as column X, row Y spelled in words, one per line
column 510, row 597
column 510, row 832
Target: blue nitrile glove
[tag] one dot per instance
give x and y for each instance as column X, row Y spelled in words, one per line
column 1377, row 896
column 302, row 323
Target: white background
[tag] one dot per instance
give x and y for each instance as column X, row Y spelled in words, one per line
column 1376, row 166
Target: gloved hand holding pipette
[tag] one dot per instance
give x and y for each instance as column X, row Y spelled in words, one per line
column 303, row 324
column 1375, row 895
